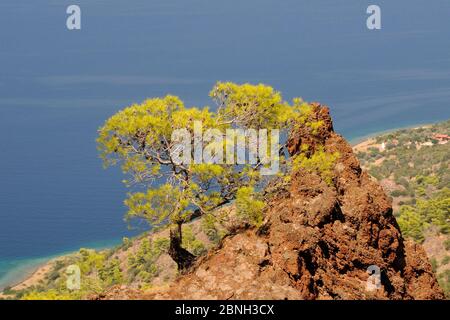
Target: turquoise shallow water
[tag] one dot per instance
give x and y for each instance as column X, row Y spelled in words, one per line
column 14, row 271
column 355, row 140
column 57, row 87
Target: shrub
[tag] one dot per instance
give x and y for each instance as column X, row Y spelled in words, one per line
column 191, row 242
column 320, row 162
column 434, row 264
column 447, row 244
column 399, row 193
column 209, row 228
column 411, row 224
column 249, row 206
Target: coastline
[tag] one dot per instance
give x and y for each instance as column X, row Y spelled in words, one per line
column 31, row 271
column 22, row 269
column 37, row 275
column 360, row 139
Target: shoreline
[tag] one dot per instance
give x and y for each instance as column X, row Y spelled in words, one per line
column 40, row 269
column 358, row 140
column 22, row 270
column 34, row 269
column 36, row 275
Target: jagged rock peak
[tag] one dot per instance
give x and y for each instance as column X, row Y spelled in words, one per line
column 318, row 240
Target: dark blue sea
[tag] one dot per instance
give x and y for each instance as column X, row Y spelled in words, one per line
column 57, row 87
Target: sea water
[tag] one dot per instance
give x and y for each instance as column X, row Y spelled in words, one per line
column 57, row 87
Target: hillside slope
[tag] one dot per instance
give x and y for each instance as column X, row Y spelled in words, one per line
column 413, row 166
column 320, row 235
column 323, row 229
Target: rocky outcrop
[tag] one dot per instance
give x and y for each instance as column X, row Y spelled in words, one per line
column 318, row 241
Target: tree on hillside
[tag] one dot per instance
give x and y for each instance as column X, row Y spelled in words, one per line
column 414, row 220
column 173, row 192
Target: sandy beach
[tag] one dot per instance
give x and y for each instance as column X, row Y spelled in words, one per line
column 36, row 277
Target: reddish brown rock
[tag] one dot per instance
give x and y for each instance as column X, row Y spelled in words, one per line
column 317, row 242
column 118, row 292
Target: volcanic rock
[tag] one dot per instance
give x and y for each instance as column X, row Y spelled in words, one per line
column 319, row 240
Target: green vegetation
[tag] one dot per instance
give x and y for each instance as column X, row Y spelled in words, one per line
column 210, row 227
column 172, row 195
column 133, row 263
column 414, row 220
column 413, row 159
column 98, row 271
column 417, row 167
column 320, row 162
column 191, row 243
column 446, row 260
column 249, row 206
column 444, row 281
column 141, row 265
column 447, row 244
column 140, row 138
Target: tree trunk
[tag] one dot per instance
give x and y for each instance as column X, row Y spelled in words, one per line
column 181, row 256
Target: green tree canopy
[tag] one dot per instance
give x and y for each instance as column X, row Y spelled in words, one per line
column 140, row 139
